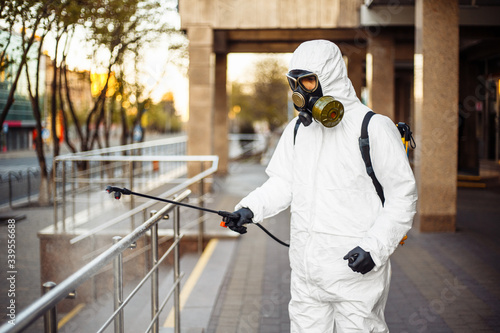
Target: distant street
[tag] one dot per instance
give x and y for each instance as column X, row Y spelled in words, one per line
column 20, row 164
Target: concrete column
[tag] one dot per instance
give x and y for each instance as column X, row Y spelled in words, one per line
column 380, row 75
column 221, row 144
column 355, row 71
column 201, row 90
column 436, row 112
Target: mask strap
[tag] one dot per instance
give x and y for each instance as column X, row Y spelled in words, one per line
column 296, row 129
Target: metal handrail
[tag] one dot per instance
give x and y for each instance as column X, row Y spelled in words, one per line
column 62, row 290
column 132, row 146
column 211, row 158
column 168, row 158
column 115, row 165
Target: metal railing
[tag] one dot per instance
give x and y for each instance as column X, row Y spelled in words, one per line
column 77, row 178
column 139, row 167
column 142, row 208
column 46, row 305
column 19, row 185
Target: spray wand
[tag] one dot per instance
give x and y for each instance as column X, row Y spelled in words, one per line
column 118, row 191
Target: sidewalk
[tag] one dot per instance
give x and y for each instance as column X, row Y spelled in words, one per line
column 444, row 282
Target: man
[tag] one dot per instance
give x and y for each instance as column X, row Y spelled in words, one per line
column 341, row 233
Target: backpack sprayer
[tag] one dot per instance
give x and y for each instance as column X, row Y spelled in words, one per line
column 119, row 191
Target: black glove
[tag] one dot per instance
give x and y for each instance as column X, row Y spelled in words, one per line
column 242, row 216
column 359, row 260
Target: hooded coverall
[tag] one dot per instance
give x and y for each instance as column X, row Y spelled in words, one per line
column 334, row 205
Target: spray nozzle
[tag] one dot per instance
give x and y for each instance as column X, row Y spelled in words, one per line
column 118, row 191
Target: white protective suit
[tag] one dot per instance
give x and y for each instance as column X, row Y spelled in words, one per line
column 334, row 205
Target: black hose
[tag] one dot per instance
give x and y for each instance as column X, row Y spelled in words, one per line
column 271, row 235
column 222, row 213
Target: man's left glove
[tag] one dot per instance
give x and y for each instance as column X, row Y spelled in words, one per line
column 244, row 216
column 359, row 260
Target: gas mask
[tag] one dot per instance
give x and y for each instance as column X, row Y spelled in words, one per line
column 308, row 99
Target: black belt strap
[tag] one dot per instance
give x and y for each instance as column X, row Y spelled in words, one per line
column 364, row 146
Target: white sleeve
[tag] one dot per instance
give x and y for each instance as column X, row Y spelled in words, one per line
column 394, row 173
column 275, row 195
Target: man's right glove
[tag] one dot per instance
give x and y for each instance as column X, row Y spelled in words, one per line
column 359, row 260
column 244, row 216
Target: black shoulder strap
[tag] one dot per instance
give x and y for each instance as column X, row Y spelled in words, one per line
column 297, row 124
column 364, row 146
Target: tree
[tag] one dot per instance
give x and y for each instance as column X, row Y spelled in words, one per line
column 8, row 21
column 124, row 30
column 161, row 117
column 120, row 29
column 271, row 90
column 30, row 13
column 43, row 21
column 265, row 98
column 241, row 106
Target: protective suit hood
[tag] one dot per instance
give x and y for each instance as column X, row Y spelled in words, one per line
column 324, row 58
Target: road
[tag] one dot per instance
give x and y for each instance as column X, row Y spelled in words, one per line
column 17, row 164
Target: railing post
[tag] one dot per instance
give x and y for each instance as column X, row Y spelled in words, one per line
column 50, row 317
column 89, row 176
column 154, row 276
column 118, row 287
column 54, row 190
column 177, row 292
column 74, row 165
column 64, row 195
column 131, row 179
column 10, row 191
column 29, row 186
column 201, row 224
column 147, row 243
column 93, row 289
column 101, row 175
